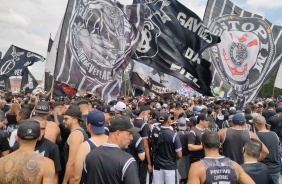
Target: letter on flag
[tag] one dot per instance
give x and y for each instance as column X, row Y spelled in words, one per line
column 96, row 43
column 249, row 53
column 173, row 39
column 16, row 60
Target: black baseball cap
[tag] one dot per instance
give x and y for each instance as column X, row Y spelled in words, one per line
column 163, row 116
column 29, row 129
column 144, row 108
column 42, row 107
column 122, row 123
column 74, row 112
column 108, row 109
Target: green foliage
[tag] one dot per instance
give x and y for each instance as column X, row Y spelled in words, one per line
column 267, row 90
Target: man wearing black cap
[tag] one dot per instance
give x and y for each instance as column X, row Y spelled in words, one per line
column 72, row 119
column 24, row 165
column 52, row 132
column 109, row 164
column 233, row 139
column 145, row 165
column 215, row 168
column 95, row 123
column 109, row 113
column 195, row 137
column 167, row 149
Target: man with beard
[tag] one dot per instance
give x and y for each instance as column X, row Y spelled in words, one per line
column 109, row 164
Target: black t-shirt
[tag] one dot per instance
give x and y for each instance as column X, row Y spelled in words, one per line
column 183, row 136
column 45, row 148
column 257, row 171
column 273, row 159
column 276, row 124
column 195, row 138
column 166, row 143
column 108, row 164
column 4, row 143
column 139, row 123
column 267, row 114
column 136, row 146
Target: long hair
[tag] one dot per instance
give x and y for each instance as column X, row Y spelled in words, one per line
column 14, row 109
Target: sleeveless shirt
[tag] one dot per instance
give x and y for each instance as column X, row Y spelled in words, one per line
column 219, row 170
column 232, row 146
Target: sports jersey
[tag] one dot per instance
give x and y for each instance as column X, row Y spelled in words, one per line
column 139, row 123
column 219, row 170
column 257, row 171
column 108, row 164
column 136, row 146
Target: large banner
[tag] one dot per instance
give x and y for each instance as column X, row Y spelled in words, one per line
column 249, row 53
column 96, row 43
column 173, row 39
column 28, row 83
column 5, row 85
column 16, row 60
column 154, row 80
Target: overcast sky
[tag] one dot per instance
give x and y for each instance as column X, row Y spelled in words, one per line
column 29, row 23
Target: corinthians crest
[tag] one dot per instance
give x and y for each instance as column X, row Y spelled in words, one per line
column 100, row 38
column 246, row 51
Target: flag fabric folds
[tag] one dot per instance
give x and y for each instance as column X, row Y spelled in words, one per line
column 154, row 80
column 28, row 83
column 96, row 43
column 16, row 60
column 249, row 53
column 173, row 39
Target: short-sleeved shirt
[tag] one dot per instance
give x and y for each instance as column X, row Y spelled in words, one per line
column 183, row 136
column 139, row 123
column 108, row 164
column 257, row 171
column 136, row 146
column 195, row 138
column 47, row 149
column 164, row 156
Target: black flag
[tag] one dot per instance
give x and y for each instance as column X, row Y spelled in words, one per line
column 16, row 60
column 173, row 39
column 28, row 83
column 250, row 51
column 5, row 85
column 96, row 43
column 154, row 80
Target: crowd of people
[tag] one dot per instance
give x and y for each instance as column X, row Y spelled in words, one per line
column 135, row 140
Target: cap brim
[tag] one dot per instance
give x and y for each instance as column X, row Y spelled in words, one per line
column 97, row 130
column 41, row 112
column 134, row 129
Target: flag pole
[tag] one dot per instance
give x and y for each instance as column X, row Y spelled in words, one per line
column 273, row 91
column 124, row 83
column 52, row 89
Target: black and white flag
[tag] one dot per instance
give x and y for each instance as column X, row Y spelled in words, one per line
column 96, row 44
column 28, row 83
column 5, row 85
column 154, row 80
column 173, row 39
column 16, row 60
column 249, row 53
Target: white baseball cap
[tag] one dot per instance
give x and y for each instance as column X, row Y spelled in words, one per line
column 120, row 106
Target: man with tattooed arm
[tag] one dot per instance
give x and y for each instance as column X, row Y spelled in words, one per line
column 24, row 165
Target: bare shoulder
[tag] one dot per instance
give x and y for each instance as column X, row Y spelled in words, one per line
column 48, row 171
column 197, row 173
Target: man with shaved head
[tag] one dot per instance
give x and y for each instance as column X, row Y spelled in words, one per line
column 271, row 141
